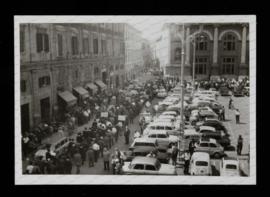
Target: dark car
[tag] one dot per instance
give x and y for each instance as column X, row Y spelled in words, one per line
column 238, row 92
column 163, row 155
column 224, row 91
column 214, row 123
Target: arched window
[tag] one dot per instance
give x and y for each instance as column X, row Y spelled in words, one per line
column 177, row 54
column 201, row 43
column 229, row 42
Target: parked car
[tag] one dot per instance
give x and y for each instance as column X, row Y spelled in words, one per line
column 229, row 167
column 238, row 92
column 218, row 125
column 147, row 166
column 200, row 164
column 163, row 138
column 144, row 142
column 161, row 126
column 163, row 153
column 162, row 93
column 224, row 91
column 210, row 146
column 147, row 117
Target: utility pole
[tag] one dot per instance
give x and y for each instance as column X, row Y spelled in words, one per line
column 182, row 76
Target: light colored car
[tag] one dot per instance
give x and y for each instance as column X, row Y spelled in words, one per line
column 161, row 126
column 200, row 164
column 147, row 117
column 144, row 142
column 55, row 148
column 172, row 113
column 229, row 167
column 162, row 93
column 147, row 166
column 163, row 138
column 210, row 146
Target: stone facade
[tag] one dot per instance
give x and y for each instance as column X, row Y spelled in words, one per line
column 58, row 57
column 221, row 50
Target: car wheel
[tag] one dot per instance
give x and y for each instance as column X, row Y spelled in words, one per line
column 217, row 156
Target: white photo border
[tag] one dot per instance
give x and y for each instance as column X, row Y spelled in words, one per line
column 21, row 179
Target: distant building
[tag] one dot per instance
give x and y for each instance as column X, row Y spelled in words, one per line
column 133, row 51
column 221, row 50
column 60, row 62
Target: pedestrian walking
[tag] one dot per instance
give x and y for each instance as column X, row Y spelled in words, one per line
column 187, row 160
column 191, row 147
column 230, row 103
column 126, row 134
column 239, row 145
column 175, row 152
column 106, row 158
column 77, row 159
column 90, row 155
column 223, row 113
column 237, row 116
column 96, row 149
column 101, row 145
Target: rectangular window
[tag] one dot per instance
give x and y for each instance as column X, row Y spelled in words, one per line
column 95, row 45
column 228, row 65
column 22, row 40
column 60, row 44
column 44, row 81
column 23, row 85
column 103, row 47
column 85, row 46
column 42, row 41
column 200, row 65
column 74, row 45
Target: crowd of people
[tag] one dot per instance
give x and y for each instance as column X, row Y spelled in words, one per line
column 95, row 141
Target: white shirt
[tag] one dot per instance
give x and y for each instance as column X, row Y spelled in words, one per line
column 30, row 169
column 25, row 139
column 95, row 146
column 237, row 112
column 114, row 130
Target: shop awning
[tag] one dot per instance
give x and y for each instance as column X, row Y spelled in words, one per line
column 81, row 91
column 68, row 97
column 92, row 86
column 100, row 84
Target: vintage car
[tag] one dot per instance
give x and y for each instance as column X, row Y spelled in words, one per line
column 210, row 146
column 147, row 166
column 229, row 167
column 163, row 153
column 163, row 138
column 147, row 117
column 144, row 142
column 162, row 93
column 161, row 126
column 218, row 125
column 200, row 164
column 224, row 91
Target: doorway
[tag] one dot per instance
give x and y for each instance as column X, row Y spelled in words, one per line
column 25, row 119
column 104, row 77
column 45, row 109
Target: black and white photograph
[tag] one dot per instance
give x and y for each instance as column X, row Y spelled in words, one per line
column 135, row 99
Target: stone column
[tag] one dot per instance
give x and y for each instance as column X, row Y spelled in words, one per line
column 215, row 70
column 244, row 42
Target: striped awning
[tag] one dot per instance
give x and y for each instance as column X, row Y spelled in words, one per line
column 100, row 84
column 68, row 97
column 81, row 91
column 92, row 86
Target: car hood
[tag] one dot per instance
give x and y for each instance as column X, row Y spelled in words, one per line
column 167, row 169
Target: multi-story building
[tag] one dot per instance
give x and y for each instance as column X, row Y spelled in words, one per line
column 59, row 63
column 220, row 50
column 147, row 54
column 133, row 51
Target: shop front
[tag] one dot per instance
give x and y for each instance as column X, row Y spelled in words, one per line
column 66, row 101
column 81, row 94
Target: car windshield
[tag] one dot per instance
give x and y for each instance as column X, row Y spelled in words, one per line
column 144, row 144
column 201, row 163
column 231, row 167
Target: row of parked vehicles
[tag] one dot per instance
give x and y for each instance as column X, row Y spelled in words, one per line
column 201, row 125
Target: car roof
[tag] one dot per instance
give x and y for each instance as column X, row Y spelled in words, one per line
column 201, row 156
column 150, row 140
column 209, row 140
column 144, row 160
column 143, row 149
column 157, row 132
column 159, row 123
column 168, row 112
column 191, row 132
column 207, row 128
